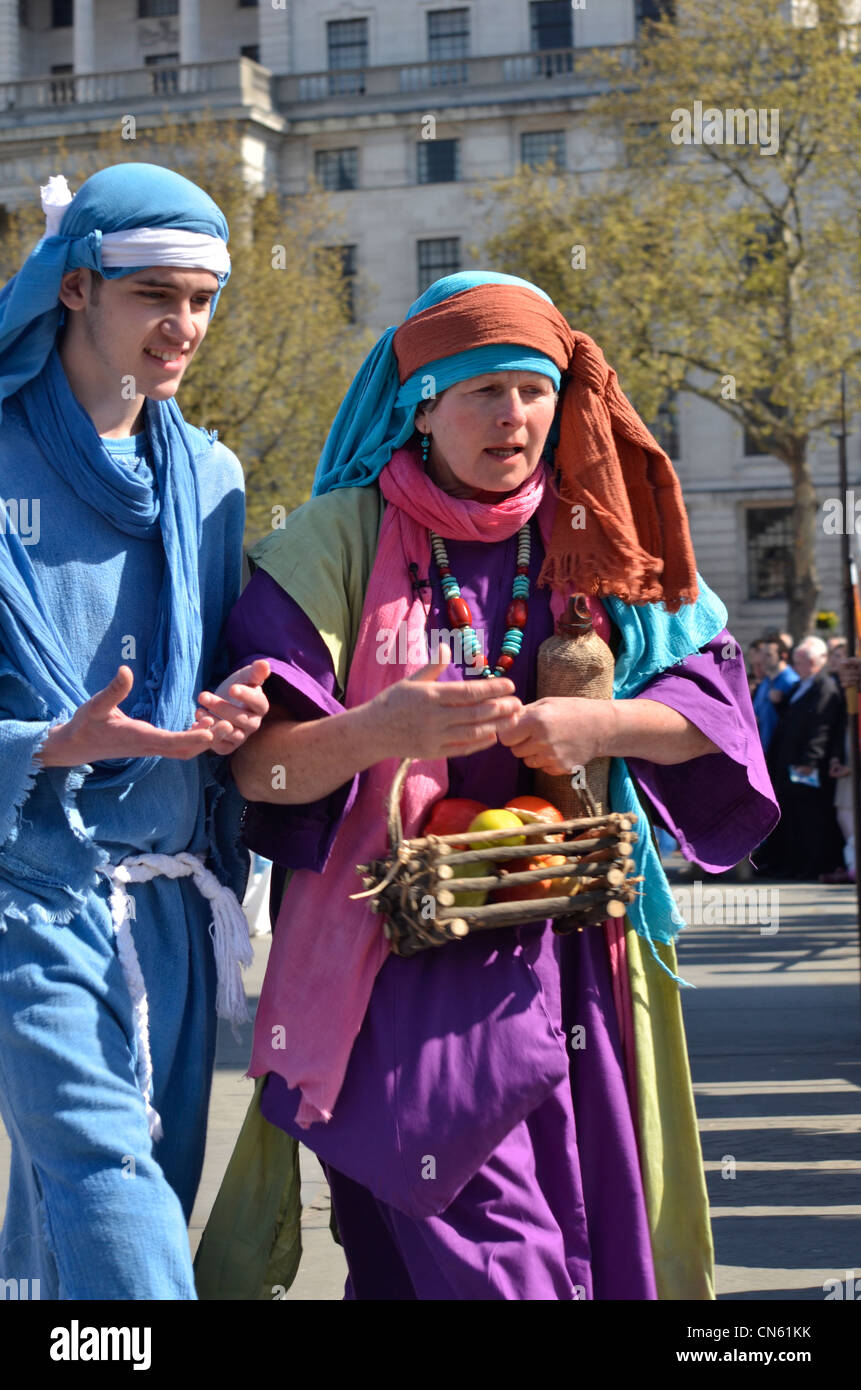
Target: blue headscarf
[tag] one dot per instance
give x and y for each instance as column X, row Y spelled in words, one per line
column 32, row 647
column 117, row 199
column 377, row 415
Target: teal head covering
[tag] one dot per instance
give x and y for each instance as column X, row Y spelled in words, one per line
column 377, row 415
column 183, row 226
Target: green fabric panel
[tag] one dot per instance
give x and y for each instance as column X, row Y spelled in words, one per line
column 670, row 1155
column 322, row 557
column 252, row 1242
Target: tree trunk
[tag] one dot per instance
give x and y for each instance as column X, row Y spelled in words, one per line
column 803, row 579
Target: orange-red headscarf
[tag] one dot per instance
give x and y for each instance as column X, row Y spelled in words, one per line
column 621, row 526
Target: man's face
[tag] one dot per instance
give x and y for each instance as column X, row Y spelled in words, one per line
column 771, row 655
column 139, row 332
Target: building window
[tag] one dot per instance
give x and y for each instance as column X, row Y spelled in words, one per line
column 63, row 86
column 165, row 78
column 348, row 275
column 336, row 170
column 437, row 257
column 648, row 11
column 665, row 427
column 153, row 9
column 769, row 552
column 347, row 41
column 448, row 35
column 61, row 14
column 551, row 24
column 539, row 146
column 248, row 4
column 250, row 50
column 438, row 161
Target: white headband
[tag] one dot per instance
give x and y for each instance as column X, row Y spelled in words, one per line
column 141, row 246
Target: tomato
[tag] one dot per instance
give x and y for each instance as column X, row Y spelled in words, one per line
column 451, row 815
column 542, row 887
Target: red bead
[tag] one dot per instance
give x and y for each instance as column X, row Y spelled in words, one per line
column 506, row 661
column 444, row 569
column 516, row 613
column 458, row 612
column 522, row 569
column 479, row 661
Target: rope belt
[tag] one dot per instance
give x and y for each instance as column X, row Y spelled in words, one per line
column 231, row 941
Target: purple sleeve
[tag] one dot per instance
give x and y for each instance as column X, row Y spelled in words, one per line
column 267, row 623
column 718, row 829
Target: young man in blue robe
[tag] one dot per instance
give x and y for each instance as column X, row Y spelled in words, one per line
column 120, row 555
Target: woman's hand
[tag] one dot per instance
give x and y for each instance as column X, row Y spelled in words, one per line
column 236, row 709
column 559, row 734
column 419, row 718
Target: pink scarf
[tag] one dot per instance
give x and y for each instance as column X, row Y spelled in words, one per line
column 326, row 948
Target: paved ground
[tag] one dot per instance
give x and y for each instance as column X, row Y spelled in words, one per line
column 774, row 1033
column 774, row 1030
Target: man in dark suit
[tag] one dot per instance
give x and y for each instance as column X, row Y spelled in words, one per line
column 808, row 735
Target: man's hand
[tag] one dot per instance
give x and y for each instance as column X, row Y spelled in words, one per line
column 99, row 730
column 236, row 709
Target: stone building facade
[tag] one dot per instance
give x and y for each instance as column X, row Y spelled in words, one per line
column 348, row 93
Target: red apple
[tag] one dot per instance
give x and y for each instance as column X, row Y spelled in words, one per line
column 451, row 815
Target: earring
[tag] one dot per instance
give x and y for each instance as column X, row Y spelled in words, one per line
column 426, row 443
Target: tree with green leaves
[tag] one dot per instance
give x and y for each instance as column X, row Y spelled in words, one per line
column 718, row 250
column 282, row 348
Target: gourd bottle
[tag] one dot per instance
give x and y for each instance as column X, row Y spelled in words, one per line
column 576, row 661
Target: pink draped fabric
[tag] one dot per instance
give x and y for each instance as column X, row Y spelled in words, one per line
column 318, row 983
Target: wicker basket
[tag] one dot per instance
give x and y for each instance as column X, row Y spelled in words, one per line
column 414, row 888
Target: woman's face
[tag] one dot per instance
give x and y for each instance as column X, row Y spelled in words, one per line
column 488, row 433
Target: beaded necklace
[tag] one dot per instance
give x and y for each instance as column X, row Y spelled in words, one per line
column 460, row 617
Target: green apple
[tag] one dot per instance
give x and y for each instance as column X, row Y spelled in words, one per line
column 497, row 820
column 477, row 898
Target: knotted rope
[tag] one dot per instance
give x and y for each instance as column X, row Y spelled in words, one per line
column 231, row 942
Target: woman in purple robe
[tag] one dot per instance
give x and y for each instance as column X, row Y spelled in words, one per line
column 479, row 1109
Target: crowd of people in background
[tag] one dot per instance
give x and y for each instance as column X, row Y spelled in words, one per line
column 800, row 708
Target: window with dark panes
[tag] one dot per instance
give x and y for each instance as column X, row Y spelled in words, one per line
column 348, row 274
column 769, row 552
column 539, row 146
column 438, row 161
column 152, row 9
column 647, row 11
column 448, row 34
column 63, row 83
column 165, row 77
column 250, row 50
column 347, row 41
column 248, row 4
column 551, row 24
column 437, row 256
column 337, row 169
column 61, row 14
column 665, row 427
